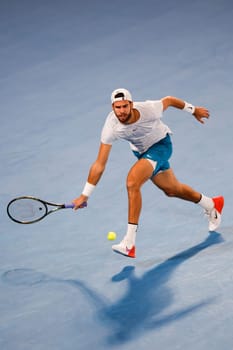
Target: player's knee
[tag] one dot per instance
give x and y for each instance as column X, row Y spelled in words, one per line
column 170, row 192
column 131, row 184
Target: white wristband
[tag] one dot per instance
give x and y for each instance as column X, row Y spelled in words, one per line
column 88, row 189
column 188, row 107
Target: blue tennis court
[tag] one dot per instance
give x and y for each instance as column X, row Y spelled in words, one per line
column 61, row 286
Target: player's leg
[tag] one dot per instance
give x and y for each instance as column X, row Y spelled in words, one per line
column 140, row 172
column 169, row 184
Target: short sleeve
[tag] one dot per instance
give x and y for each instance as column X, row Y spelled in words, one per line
column 107, row 134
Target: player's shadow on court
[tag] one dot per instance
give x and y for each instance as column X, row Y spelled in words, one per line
column 143, row 306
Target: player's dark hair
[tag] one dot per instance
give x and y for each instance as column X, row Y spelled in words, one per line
column 120, row 94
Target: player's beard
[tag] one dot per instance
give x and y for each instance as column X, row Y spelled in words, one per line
column 125, row 118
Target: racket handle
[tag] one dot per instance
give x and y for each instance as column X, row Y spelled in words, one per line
column 71, row 206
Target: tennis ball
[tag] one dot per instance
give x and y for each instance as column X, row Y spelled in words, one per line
column 111, row 236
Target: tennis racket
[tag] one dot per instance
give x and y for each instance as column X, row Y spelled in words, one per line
column 28, row 209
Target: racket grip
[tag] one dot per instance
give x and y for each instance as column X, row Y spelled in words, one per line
column 71, row 206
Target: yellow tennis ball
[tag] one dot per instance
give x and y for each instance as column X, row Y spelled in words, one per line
column 111, row 236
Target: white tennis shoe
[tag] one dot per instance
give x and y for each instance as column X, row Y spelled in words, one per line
column 125, row 248
column 214, row 215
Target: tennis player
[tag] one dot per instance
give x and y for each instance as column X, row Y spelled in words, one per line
column 150, row 140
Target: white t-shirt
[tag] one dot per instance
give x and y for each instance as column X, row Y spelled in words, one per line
column 142, row 134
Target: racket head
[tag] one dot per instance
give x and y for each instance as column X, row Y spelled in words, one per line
column 27, row 209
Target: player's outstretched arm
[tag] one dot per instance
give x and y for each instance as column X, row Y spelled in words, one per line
column 95, row 173
column 200, row 113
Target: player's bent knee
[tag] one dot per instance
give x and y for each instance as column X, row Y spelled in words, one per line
column 132, row 184
column 170, row 192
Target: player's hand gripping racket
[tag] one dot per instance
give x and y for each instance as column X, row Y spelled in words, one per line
column 28, row 209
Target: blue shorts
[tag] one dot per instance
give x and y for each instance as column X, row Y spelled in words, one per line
column 160, row 152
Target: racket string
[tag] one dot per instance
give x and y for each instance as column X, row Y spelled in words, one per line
column 27, row 210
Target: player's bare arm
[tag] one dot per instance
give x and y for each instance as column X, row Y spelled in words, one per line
column 98, row 166
column 94, row 175
column 198, row 112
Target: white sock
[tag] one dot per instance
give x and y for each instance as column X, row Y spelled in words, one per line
column 131, row 233
column 206, row 202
